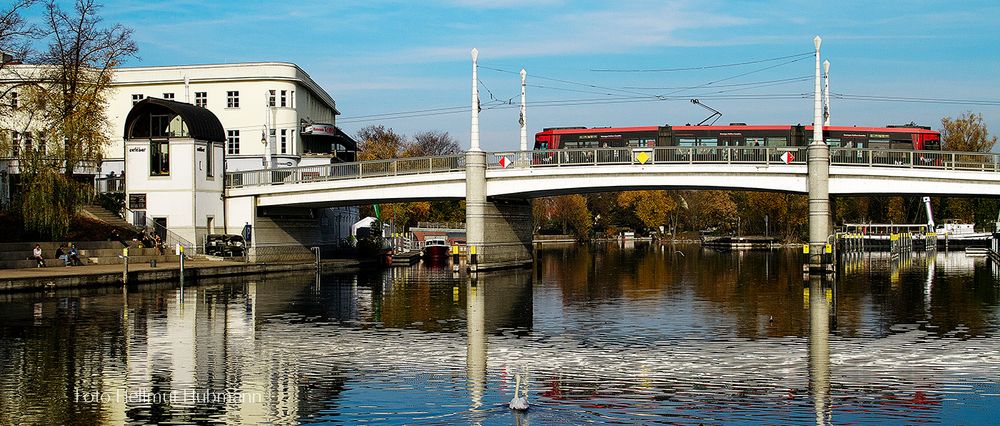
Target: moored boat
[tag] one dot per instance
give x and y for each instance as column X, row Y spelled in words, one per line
column 435, row 249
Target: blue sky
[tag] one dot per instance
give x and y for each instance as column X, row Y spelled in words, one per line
column 377, row 57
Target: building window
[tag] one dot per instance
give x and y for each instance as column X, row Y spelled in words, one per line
column 270, row 98
column 15, row 143
column 284, row 98
column 284, row 141
column 136, row 97
column 159, row 158
column 232, row 142
column 209, row 159
column 201, row 99
column 270, row 140
column 168, row 96
column 13, row 99
column 291, row 101
column 233, row 99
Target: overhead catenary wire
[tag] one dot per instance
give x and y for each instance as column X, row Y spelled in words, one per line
column 705, row 67
column 905, row 99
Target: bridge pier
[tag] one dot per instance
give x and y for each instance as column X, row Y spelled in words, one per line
column 498, row 232
column 819, row 205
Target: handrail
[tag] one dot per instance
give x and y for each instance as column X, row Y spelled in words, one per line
column 642, row 156
column 341, row 171
column 171, row 240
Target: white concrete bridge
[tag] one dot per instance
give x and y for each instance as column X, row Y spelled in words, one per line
column 545, row 173
column 509, row 179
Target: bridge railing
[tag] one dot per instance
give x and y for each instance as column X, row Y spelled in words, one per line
column 658, row 155
column 618, row 156
column 339, row 171
column 946, row 160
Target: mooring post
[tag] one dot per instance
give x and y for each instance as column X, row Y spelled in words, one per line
column 125, row 266
column 180, row 252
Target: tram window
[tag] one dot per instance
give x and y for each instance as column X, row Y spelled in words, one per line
column 902, row 144
column 777, row 141
column 633, row 142
column 708, row 142
column 755, row 141
column 687, row 141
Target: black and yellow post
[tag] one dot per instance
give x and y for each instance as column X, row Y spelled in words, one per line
column 473, row 258
column 125, row 268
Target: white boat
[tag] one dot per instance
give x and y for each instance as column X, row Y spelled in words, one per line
column 435, row 249
column 953, row 230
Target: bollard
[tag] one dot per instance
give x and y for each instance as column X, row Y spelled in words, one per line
column 179, row 250
column 124, row 257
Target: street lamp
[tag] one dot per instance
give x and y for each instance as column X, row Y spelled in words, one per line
column 267, row 150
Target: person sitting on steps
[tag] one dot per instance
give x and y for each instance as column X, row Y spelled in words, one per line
column 73, row 256
column 37, row 256
column 61, row 255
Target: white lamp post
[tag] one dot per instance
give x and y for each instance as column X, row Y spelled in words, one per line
column 524, row 120
column 475, row 102
column 826, row 93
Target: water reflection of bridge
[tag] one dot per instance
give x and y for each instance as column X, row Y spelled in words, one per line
column 312, row 346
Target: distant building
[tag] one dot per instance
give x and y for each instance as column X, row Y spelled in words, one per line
column 265, row 107
column 273, row 115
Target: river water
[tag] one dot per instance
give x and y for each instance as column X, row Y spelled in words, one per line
column 600, row 333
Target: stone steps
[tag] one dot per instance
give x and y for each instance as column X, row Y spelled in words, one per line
column 18, row 255
column 58, row 263
column 103, row 215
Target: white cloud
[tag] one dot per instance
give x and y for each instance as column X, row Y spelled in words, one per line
column 620, row 29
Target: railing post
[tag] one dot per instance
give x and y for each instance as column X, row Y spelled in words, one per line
column 911, row 159
column 430, row 164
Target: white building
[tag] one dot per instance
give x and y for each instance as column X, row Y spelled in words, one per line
column 264, row 107
column 272, row 113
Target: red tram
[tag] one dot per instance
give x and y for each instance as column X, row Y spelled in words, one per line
column 911, row 136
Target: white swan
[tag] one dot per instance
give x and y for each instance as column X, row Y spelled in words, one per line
column 519, row 403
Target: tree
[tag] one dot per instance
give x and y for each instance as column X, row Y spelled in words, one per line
column 76, row 78
column 565, row 214
column 65, row 97
column 966, row 133
column 652, row 208
column 432, row 143
column 379, row 143
column 712, row 209
column 16, row 36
